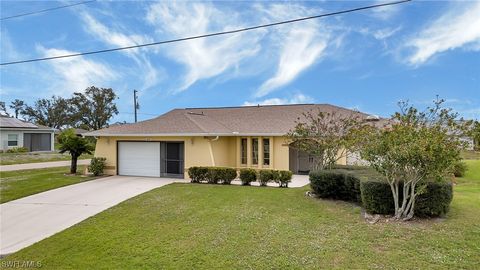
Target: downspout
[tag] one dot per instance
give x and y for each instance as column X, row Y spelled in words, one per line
column 210, row 148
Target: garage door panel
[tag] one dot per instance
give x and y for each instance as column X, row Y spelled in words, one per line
column 139, row 158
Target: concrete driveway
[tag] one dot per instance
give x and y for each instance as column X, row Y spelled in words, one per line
column 41, row 165
column 33, row 218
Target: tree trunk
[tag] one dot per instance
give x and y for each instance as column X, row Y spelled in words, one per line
column 73, row 166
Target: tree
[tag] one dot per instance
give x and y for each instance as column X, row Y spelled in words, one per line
column 414, row 148
column 54, row 112
column 323, row 135
column 3, row 109
column 75, row 145
column 95, row 107
column 476, row 135
column 18, row 106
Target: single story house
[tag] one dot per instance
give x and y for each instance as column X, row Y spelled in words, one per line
column 238, row 137
column 18, row 133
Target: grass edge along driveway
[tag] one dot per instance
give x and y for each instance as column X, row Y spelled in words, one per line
column 185, row 226
column 18, row 184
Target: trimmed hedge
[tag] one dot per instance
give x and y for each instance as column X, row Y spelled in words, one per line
column 336, row 184
column 283, row 178
column 247, row 176
column 435, row 200
column 364, row 185
column 265, row 176
column 212, row 175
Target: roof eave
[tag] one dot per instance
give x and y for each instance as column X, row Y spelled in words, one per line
column 94, row 134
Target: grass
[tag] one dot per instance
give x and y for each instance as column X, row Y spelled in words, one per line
column 199, row 226
column 18, row 184
column 470, row 154
column 21, row 158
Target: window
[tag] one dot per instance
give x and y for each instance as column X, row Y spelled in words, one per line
column 12, row 140
column 244, row 151
column 266, row 151
column 254, row 151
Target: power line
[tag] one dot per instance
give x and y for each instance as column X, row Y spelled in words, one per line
column 45, row 10
column 205, row 35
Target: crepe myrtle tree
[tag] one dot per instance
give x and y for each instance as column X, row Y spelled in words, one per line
column 75, row 145
column 414, row 147
column 324, row 135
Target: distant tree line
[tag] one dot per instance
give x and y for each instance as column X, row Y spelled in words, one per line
column 91, row 109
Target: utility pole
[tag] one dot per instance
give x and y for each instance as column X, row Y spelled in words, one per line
column 135, row 103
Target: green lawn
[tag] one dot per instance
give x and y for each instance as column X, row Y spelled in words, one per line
column 18, row 184
column 200, row 226
column 20, row 158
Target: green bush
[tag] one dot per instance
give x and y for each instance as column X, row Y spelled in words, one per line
column 265, row 176
column 435, row 200
column 97, row 165
column 197, row 174
column 247, row 176
column 459, row 168
column 336, row 184
column 283, row 178
column 377, row 197
column 17, row 150
column 229, row 174
column 213, row 175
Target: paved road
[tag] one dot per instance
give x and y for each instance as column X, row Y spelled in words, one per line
column 33, row 218
column 41, row 165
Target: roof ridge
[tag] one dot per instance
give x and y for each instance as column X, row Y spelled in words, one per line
column 194, row 122
column 249, row 106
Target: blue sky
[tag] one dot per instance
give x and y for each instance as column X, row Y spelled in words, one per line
column 367, row 60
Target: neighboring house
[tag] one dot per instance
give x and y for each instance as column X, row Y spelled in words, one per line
column 237, row 137
column 17, row 133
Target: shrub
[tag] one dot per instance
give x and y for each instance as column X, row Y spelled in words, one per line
column 213, row 175
column 247, row 176
column 265, row 176
column 377, row 197
column 459, row 169
column 97, row 165
column 229, row 174
column 17, row 150
column 434, row 201
column 335, row 184
column 283, row 178
column 197, row 174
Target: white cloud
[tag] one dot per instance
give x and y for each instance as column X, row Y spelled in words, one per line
column 459, row 27
column 385, row 12
column 300, row 46
column 75, row 73
column 203, row 58
column 150, row 74
column 296, row 99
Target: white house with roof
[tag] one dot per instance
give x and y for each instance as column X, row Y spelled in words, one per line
column 18, row 133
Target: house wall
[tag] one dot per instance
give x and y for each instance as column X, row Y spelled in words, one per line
column 201, row 151
column 4, row 138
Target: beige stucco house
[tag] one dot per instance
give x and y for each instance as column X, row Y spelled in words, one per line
column 238, row 137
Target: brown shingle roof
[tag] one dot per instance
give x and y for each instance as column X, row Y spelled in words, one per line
column 224, row 121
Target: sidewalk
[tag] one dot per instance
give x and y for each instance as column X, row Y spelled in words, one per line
column 41, row 165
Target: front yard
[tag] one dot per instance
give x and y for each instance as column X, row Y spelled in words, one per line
column 186, row 226
column 18, row 184
column 21, row 158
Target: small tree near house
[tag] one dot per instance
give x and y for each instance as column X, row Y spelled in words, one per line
column 414, row 148
column 75, row 145
column 323, row 135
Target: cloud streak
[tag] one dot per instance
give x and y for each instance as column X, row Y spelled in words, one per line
column 296, row 99
column 457, row 28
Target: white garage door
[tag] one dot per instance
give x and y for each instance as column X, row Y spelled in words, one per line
column 139, row 158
